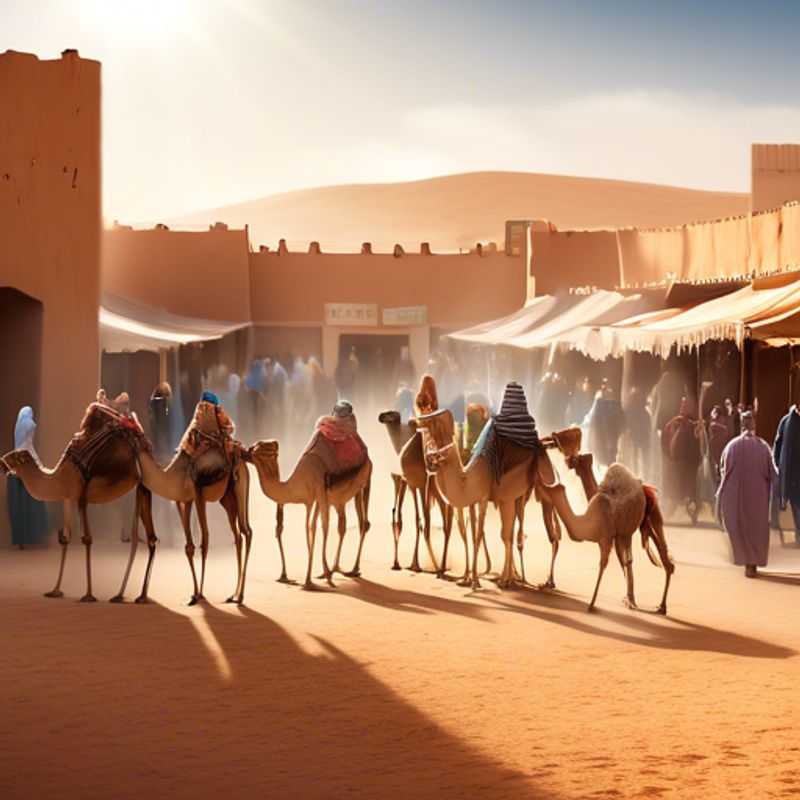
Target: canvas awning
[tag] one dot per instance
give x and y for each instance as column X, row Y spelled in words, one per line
column 768, row 308
column 600, row 307
column 496, row 331
column 126, row 326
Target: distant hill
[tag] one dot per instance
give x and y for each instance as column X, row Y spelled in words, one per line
column 459, row 210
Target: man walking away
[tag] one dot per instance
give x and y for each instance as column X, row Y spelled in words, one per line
column 786, row 452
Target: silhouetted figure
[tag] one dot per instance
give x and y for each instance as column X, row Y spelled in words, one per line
column 680, row 448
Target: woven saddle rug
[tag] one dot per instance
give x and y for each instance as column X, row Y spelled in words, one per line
column 101, row 424
column 337, row 444
column 508, row 438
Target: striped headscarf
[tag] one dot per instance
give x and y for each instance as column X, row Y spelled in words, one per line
column 514, row 422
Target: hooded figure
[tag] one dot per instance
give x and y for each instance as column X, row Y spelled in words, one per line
column 29, row 522
column 786, row 452
column 680, row 447
column 748, row 474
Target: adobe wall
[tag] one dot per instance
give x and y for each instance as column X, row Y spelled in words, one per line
column 200, row 274
column 50, row 226
column 458, row 290
column 565, row 259
column 775, row 175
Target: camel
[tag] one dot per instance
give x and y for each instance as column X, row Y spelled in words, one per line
column 111, row 473
column 206, row 478
column 619, row 505
column 408, row 446
column 308, row 485
column 474, row 485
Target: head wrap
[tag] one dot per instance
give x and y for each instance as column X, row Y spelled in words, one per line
column 342, row 409
column 24, row 429
column 209, row 397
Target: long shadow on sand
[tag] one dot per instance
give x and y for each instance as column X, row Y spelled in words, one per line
column 643, row 629
column 132, row 701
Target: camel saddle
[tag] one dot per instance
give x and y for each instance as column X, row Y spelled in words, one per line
column 502, row 453
column 100, row 424
column 342, row 459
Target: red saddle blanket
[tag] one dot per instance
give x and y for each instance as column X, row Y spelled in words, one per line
column 338, row 445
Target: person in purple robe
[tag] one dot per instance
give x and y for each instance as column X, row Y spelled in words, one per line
column 748, row 475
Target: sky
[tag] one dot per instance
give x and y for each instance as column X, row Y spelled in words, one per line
column 212, row 102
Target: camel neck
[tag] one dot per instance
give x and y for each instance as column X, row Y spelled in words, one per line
column 586, row 474
column 169, row 482
column 49, row 485
column 399, row 434
column 461, row 486
column 282, row 492
column 577, row 525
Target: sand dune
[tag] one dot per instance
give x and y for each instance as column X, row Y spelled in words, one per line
column 458, row 210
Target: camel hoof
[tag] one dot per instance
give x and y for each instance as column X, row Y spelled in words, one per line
column 231, row 599
column 88, row 598
column 662, row 609
column 141, row 600
column 284, row 579
column 322, row 577
column 354, row 573
column 546, row 585
column 396, row 567
column 631, row 604
column 54, row 593
column 117, row 598
column 464, row 582
column 591, row 609
column 195, row 599
column 415, row 568
column 310, row 586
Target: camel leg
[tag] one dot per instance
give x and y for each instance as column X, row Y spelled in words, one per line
column 477, row 537
column 657, row 534
column 228, row 502
column 341, row 529
column 625, row 558
column 605, row 552
column 553, row 529
column 447, row 513
column 464, row 580
column 397, row 516
column 120, row 596
column 279, row 537
column 520, row 509
column 203, row 520
column 185, row 513
column 482, row 516
column 86, row 538
column 146, row 513
column 311, row 531
column 360, row 501
column 242, row 490
column 64, row 538
column 326, row 519
column 508, row 516
column 426, row 510
column 415, row 567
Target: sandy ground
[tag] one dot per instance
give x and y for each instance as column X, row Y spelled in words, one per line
column 398, row 684
column 459, row 210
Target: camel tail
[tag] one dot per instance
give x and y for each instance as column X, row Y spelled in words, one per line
column 652, row 525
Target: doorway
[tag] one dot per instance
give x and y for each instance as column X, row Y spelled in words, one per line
column 373, row 381
column 21, row 319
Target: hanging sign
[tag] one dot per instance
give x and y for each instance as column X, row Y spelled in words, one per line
column 407, row 315
column 351, row 313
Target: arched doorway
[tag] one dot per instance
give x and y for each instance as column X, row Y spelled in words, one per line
column 21, row 319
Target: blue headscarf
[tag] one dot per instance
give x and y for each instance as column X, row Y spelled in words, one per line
column 24, row 430
column 210, row 397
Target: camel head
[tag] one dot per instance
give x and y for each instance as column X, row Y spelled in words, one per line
column 439, row 435
column 580, row 462
column 18, row 459
column 389, row 417
column 568, row 442
column 265, row 451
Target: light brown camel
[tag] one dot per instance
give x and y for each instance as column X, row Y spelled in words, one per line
column 111, row 472
column 407, row 445
column 308, row 485
column 475, row 486
column 209, row 477
column 618, row 506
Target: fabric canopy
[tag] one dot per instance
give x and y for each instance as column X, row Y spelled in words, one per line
column 601, row 307
column 766, row 309
column 498, row 330
column 128, row 326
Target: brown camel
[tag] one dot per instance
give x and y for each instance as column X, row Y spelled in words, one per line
column 475, row 486
column 407, row 445
column 618, row 506
column 309, row 485
column 111, row 472
column 208, row 477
